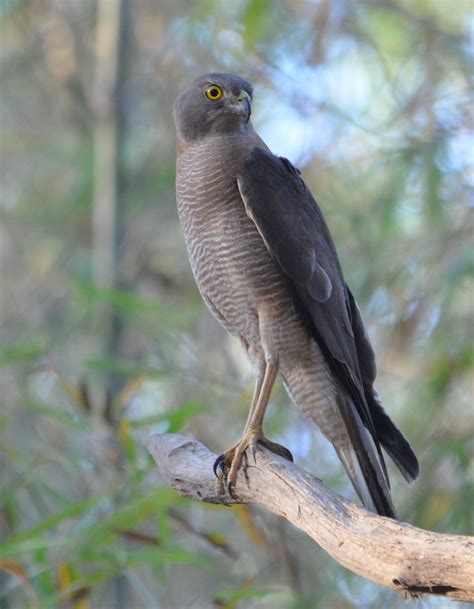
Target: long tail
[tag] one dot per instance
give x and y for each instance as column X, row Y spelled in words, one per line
column 363, row 462
column 392, row 439
column 311, row 389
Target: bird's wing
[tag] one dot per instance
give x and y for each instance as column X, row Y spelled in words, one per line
column 389, row 436
column 297, row 237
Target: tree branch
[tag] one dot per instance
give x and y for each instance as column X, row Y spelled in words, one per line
column 390, row 553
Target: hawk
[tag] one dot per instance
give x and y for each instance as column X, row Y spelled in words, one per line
column 267, row 268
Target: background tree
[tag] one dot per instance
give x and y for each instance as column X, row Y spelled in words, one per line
column 371, row 101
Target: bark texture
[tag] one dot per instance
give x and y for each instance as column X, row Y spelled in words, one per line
column 390, row 553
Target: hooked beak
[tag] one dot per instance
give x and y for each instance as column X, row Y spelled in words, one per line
column 242, row 105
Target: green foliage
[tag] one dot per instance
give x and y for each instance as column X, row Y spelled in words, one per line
column 256, row 20
column 14, row 354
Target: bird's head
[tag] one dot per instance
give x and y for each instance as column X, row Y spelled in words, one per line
column 213, row 103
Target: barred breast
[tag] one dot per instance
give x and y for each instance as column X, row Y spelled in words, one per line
column 230, row 263
column 239, row 280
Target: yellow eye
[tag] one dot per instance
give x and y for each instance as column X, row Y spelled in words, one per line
column 213, row 92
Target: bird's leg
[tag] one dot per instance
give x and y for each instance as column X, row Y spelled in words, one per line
column 256, row 393
column 222, row 463
column 229, row 463
column 253, row 429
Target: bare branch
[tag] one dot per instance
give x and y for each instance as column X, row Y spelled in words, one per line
column 390, row 553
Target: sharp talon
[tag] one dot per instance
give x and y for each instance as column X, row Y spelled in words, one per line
column 230, row 490
column 245, row 467
column 219, row 462
column 227, row 465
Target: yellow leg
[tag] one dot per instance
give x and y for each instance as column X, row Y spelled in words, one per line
column 256, row 393
column 255, row 422
column 230, row 462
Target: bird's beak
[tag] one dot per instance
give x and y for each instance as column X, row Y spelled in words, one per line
column 242, row 104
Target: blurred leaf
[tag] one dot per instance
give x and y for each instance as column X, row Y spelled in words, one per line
column 78, row 596
column 230, row 598
column 9, row 508
column 256, row 20
column 126, row 441
column 391, row 31
column 16, row 569
column 77, row 394
column 75, row 596
column 447, row 367
column 123, row 301
column 69, row 591
column 17, row 354
column 140, row 508
column 129, row 390
column 170, row 554
column 163, row 523
column 220, row 541
column 61, row 416
column 137, row 537
column 30, row 539
column 44, row 580
column 176, row 418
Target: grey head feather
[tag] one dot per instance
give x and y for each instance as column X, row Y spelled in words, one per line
column 196, row 116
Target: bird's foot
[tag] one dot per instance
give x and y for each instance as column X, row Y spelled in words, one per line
column 227, row 465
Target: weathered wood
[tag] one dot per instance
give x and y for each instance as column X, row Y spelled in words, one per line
column 390, row 553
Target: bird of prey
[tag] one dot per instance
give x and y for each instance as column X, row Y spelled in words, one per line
column 266, row 266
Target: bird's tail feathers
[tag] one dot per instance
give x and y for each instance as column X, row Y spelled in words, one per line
column 392, row 439
column 363, row 463
column 351, row 464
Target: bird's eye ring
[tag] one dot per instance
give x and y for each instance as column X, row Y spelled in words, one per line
column 213, row 92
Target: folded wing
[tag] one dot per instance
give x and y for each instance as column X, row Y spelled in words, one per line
column 297, row 237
